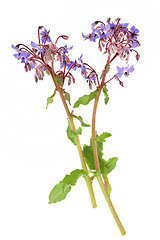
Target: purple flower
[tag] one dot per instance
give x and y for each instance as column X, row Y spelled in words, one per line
column 125, row 25
column 120, row 72
column 35, row 46
column 114, row 38
column 45, row 36
column 126, row 71
column 134, row 32
column 91, row 36
column 24, row 56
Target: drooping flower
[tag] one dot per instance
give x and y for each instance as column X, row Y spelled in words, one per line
column 42, row 55
column 114, row 38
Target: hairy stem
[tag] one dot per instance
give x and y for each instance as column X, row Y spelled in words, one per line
column 72, row 125
column 97, row 165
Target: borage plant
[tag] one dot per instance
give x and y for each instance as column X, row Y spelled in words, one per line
column 115, row 39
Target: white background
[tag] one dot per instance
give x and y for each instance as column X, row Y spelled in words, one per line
column 35, row 153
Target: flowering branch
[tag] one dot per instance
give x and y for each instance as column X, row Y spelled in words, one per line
column 116, row 40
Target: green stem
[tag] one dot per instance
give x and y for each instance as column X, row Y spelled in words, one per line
column 70, row 118
column 97, row 165
column 111, row 207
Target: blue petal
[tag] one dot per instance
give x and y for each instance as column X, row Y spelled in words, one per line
column 49, row 39
column 107, row 27
column 14, row 47
column 125, row 25
column 132, row 29
column 45, row 30
column 119, row 74
column 22, row 60
column 43, row 39
column 84, row 36
column 131, row 69
column 134, row 44
column 34, row 45
column 80, row 58
column 17, row 56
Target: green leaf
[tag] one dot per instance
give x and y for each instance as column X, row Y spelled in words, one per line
column 105, row 166
column 108, row 68
column 60, row 190
column 47, row 72
column 58, row 80
column 84, row 100
column 109, row 189
column 102, row 74
column 73, row 177
column 67, row 97
column 111, row 164
column 103, row 136
column 89, row 157
column 81, row 121
column 77, row 132
column 106, row 99
column 71, row 133
column 50, row 99
column 59, row 193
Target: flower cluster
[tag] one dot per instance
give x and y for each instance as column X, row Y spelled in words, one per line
column 45, row 53
column 115, row 38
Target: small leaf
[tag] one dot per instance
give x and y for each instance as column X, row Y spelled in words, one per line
column 84, row 100
column 50, row 99
column 109, row 189
column 77, row 132
column 89, row 157
column 106, row 99
column 103, row 136
column 67, row 97
column 81, row 121
column 71, row 133
column 58, row 80
column 47, row 72
column 111, row 164
column 60, row 190
column 108, row 68
column 102, row 74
